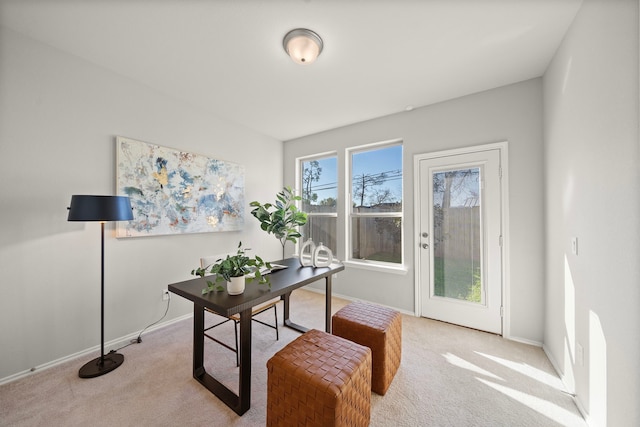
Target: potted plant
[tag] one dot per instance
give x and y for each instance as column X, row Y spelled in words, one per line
column 233, row 270
column 281, row 218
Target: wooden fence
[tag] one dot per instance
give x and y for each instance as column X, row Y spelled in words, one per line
column 457, row 233
column 373, row 237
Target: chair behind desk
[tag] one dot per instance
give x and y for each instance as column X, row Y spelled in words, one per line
column 235, row 318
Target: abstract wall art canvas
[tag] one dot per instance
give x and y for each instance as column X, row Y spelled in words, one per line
column 176, row 192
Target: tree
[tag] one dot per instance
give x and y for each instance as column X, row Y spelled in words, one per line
column 310, row 174
column 363, row 184
column 329, row 201
column 381, row 196
column 452, row 187
column 453, row 184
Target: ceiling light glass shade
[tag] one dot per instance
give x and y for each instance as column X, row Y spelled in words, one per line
column 302, row 45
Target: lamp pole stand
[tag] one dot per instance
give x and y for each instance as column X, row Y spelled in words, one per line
column 103, row 364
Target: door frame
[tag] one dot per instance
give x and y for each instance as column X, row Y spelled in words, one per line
column 502, row 147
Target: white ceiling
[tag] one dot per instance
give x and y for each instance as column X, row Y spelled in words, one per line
column 226, row 57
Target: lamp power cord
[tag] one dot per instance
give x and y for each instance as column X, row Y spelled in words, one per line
column 138, row 340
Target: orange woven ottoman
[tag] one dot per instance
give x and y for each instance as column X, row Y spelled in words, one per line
column 319, row 380
column 376, row 327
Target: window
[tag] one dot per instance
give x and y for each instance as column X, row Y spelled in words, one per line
column 375, row 208
column 371, row 212
column 319, row 184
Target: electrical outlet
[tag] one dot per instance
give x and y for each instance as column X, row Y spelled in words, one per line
column 165, row 294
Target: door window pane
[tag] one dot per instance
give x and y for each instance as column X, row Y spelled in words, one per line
column 456, row 234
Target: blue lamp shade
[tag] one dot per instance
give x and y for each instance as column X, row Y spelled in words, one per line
column 100, row 208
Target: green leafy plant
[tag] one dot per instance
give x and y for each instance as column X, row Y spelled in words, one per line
column 281, row 218
column 233, row 266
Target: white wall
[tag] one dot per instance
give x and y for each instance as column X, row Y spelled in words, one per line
column 59, row 116
column 512, row 113
column 592, row 181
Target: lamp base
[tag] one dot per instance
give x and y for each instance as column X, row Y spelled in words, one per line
column 98, row 367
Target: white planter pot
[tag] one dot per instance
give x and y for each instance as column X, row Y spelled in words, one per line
column 235, row 286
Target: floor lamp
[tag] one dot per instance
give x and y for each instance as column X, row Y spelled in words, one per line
column 102, row 209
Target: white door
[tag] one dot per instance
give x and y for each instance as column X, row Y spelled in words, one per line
column 460, row 271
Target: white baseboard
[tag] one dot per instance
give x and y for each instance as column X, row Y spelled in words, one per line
column 411, row 313
column 523, row 340
column 348, row 298
column 569, row 390
column 118, row 342
column 556, row 366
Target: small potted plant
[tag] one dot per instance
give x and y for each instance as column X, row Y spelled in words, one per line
column 233, row 270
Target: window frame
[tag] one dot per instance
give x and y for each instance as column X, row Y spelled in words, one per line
column 350, row 214
column 300, row 190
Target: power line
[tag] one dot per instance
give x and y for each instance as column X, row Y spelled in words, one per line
column 384, row 177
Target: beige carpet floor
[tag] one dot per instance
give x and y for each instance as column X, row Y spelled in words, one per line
column 449, row 376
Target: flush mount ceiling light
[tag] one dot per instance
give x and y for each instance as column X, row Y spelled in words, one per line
column 302, row 45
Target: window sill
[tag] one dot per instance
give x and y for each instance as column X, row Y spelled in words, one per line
column 400, row 269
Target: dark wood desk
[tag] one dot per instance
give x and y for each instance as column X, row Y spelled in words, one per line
column 283, row 282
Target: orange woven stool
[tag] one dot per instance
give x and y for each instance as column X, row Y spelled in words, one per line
column 376, row 327
column 319, row 380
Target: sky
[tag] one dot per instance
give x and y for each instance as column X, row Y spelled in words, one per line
column 370, row 163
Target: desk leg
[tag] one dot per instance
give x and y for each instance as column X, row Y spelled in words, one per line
column 198, row 340
column 241, row 402
column 287, row 322
column 285, row 300
column 245, row 362
column 327, row 311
